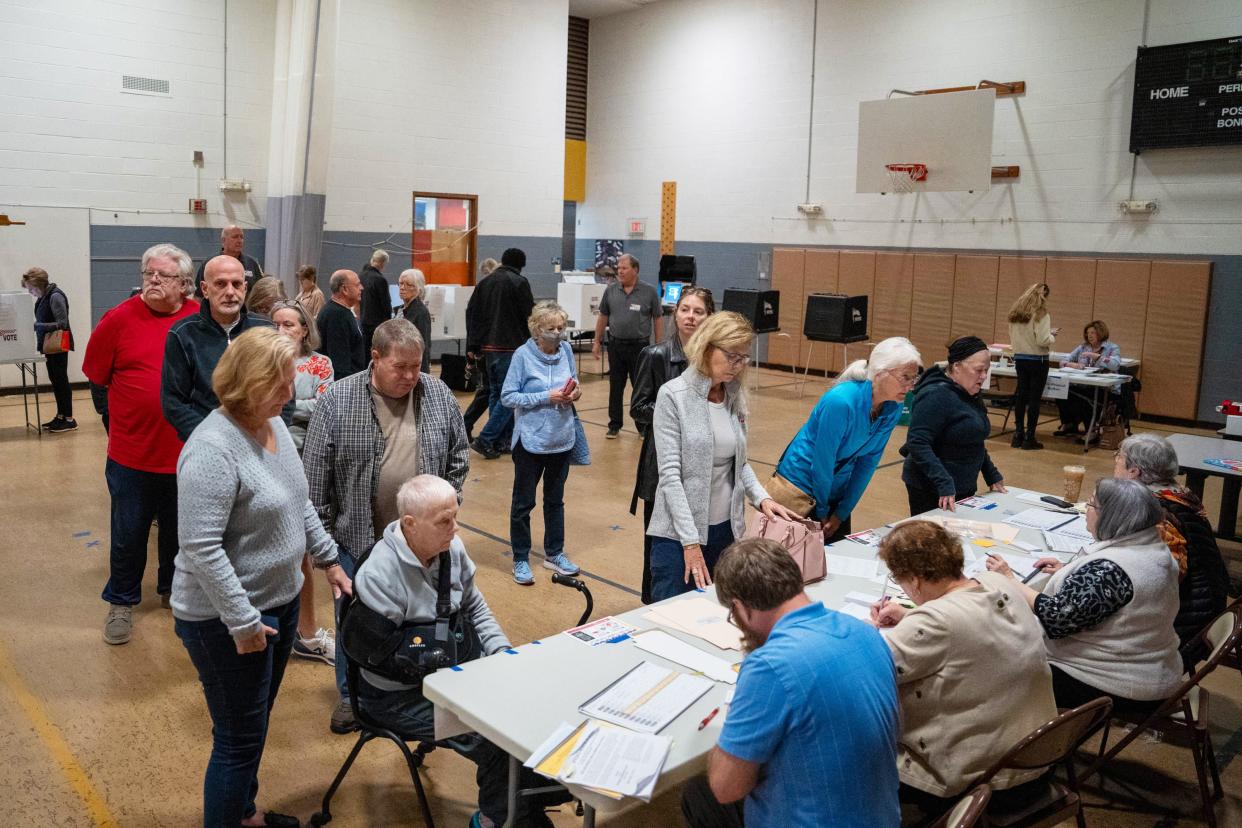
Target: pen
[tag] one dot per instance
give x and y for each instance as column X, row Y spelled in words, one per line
column 709, row 717
column 1036, row 571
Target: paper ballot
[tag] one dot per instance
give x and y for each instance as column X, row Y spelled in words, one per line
column 852, row 567
column 1041, row 519
column 616, row 760
column 1076, row 529
column 700, row 617
column 647, row 697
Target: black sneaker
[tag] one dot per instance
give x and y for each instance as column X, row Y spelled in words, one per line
column 487, row 451
column 343, row 719
column 612, row 433
column 1031, row 444
column 1016, row 442
column 61, row 424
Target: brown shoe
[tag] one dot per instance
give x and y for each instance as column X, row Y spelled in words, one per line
column 120, row 624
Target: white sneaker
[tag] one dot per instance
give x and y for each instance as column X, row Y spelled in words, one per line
column 321, row 646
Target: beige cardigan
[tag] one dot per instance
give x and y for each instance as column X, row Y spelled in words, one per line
column 1034, row 337
column 973, row 680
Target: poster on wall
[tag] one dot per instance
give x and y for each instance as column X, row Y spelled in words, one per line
column 607, row 251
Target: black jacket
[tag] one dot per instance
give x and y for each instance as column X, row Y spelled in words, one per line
column 254, row 272
column 416, row 312
column 945, row 446
column 1205, row 589
column 191, row 351
column 497, row 312
column 340, row 339
column 51, row 313
column 376, row 298
column 657, row 365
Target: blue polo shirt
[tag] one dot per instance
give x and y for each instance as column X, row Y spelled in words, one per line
column 816, row 705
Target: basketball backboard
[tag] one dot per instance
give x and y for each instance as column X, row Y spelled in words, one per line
column 951, row 133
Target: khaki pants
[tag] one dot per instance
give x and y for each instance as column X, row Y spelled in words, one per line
column 790, row 496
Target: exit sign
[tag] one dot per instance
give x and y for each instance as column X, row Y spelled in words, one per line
column 638, row 227
column 198, row 206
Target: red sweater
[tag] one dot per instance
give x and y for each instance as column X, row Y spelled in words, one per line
column 126, row 353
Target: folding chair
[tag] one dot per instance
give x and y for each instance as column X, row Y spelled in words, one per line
column 369, row 729
column 991, row 396
column 1045, row 747
column 968, row 810
column 1183, row 719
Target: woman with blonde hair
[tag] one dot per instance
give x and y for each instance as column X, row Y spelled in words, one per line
column 828, row 464
column 265, row 293
column 244, row 522
column 1031, row 336
column 541, row 388
column 700, row 436
column 412, row 287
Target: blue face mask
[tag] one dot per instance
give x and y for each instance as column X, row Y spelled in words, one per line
column 553, row 336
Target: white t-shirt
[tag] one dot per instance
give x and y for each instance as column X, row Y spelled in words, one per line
column 724, row 447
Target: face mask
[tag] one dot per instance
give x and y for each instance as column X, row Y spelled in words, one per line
column 553, row 336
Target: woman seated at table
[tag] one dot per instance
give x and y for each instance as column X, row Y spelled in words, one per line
column 1108, row 614
column 960, row 713
column 1096, row 351
column 705, row 481
column 945, row 449
column 828, row 464
column 1152, row 461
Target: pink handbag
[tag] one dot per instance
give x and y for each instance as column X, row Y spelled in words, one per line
column 804, row 540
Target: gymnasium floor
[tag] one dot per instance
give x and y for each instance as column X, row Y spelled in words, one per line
column 98, row 735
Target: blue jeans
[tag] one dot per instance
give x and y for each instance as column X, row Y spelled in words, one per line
column 137, row 498
column 668, row 562
column 240, row 692
column 527, row 469
column 350, row 565
column 408, row 714
column 498, row 431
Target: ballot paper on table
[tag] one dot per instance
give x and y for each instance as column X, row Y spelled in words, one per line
column 606, row 759
column 552, row 757
column 700, row 617
column 1022, row 565
column 607, row 630
column 1041, row 519
column 1062, row 543
column 867, row 537
column 851, row 567
column 647, row 697
column 1076, row 529
column 971, row 529
column 658, row 642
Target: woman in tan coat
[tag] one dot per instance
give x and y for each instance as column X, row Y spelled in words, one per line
column 960, row 711
column 1031, row 336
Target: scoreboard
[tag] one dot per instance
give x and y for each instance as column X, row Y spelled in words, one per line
column 1187, row 95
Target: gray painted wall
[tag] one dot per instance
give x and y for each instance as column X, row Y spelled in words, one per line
column 736, row 264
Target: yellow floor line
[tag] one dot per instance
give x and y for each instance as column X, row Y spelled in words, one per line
column 50, row 736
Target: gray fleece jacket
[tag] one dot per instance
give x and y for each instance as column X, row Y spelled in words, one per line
column 393, row 582
column 683, row 439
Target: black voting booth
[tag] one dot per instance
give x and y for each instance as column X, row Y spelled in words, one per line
column 761, row 308
column 835, row 317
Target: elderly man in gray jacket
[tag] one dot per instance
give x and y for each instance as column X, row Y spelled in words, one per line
column 399, row 580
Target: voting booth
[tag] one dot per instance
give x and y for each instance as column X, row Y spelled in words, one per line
column 581, row 302
column 17, row 336
column 447, row 306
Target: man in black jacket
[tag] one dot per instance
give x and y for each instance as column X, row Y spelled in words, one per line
column 496, row 327
column 340, row 337
column 232, row 243
column 376, row 298
column 196, row 343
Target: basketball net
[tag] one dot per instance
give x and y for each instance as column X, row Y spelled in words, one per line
column 902, row 176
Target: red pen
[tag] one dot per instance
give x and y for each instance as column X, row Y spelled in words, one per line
column 709, row 717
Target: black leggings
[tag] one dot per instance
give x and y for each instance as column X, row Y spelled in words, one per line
column 1070, row 692
column 1032, row 374
column 58, row 375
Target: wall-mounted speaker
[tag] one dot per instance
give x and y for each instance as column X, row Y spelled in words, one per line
column 835, row 317
column 760, row 307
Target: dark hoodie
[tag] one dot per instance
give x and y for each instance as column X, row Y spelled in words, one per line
column 194, row 346
column 945, row 449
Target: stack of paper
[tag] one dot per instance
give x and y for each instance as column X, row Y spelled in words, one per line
column 1076, row 529
column 1041, row 519
column 852, row 567
column 660, row 643
column 1022, row 565
column 647, row 697
column 1062, row 543
column 611, row 761
column 700, row 617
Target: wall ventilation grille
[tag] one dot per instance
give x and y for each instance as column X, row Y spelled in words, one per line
column 144, row 86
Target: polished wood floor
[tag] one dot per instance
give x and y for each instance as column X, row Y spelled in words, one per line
column 98, row 735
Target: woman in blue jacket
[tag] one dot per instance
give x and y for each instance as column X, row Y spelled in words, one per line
column 826, row 468
column 541, row 387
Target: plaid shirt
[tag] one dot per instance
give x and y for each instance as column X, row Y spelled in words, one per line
column 344, row 445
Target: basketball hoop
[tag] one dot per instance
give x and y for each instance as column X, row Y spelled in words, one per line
column 903, row 176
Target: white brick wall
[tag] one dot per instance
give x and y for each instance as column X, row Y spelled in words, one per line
column 462, row 97
column 714, row 94
column 69, row 136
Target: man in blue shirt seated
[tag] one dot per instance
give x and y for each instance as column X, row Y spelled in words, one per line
column 811, row 736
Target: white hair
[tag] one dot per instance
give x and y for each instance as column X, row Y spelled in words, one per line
column 1153, row 456
column 888, row 355
column 1124, row 507
column 185, row 266
column 416, row 277
column 418, row 494
column 379, row 258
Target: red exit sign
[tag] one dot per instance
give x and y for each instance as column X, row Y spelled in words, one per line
column 638, row 227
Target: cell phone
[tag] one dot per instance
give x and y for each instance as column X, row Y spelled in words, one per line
column 1058, row 502
column 570, row 385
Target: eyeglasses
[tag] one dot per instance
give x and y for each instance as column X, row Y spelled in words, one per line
column 736, row 360
column 905, row 379
column 157, row 276
column 1091, row 504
